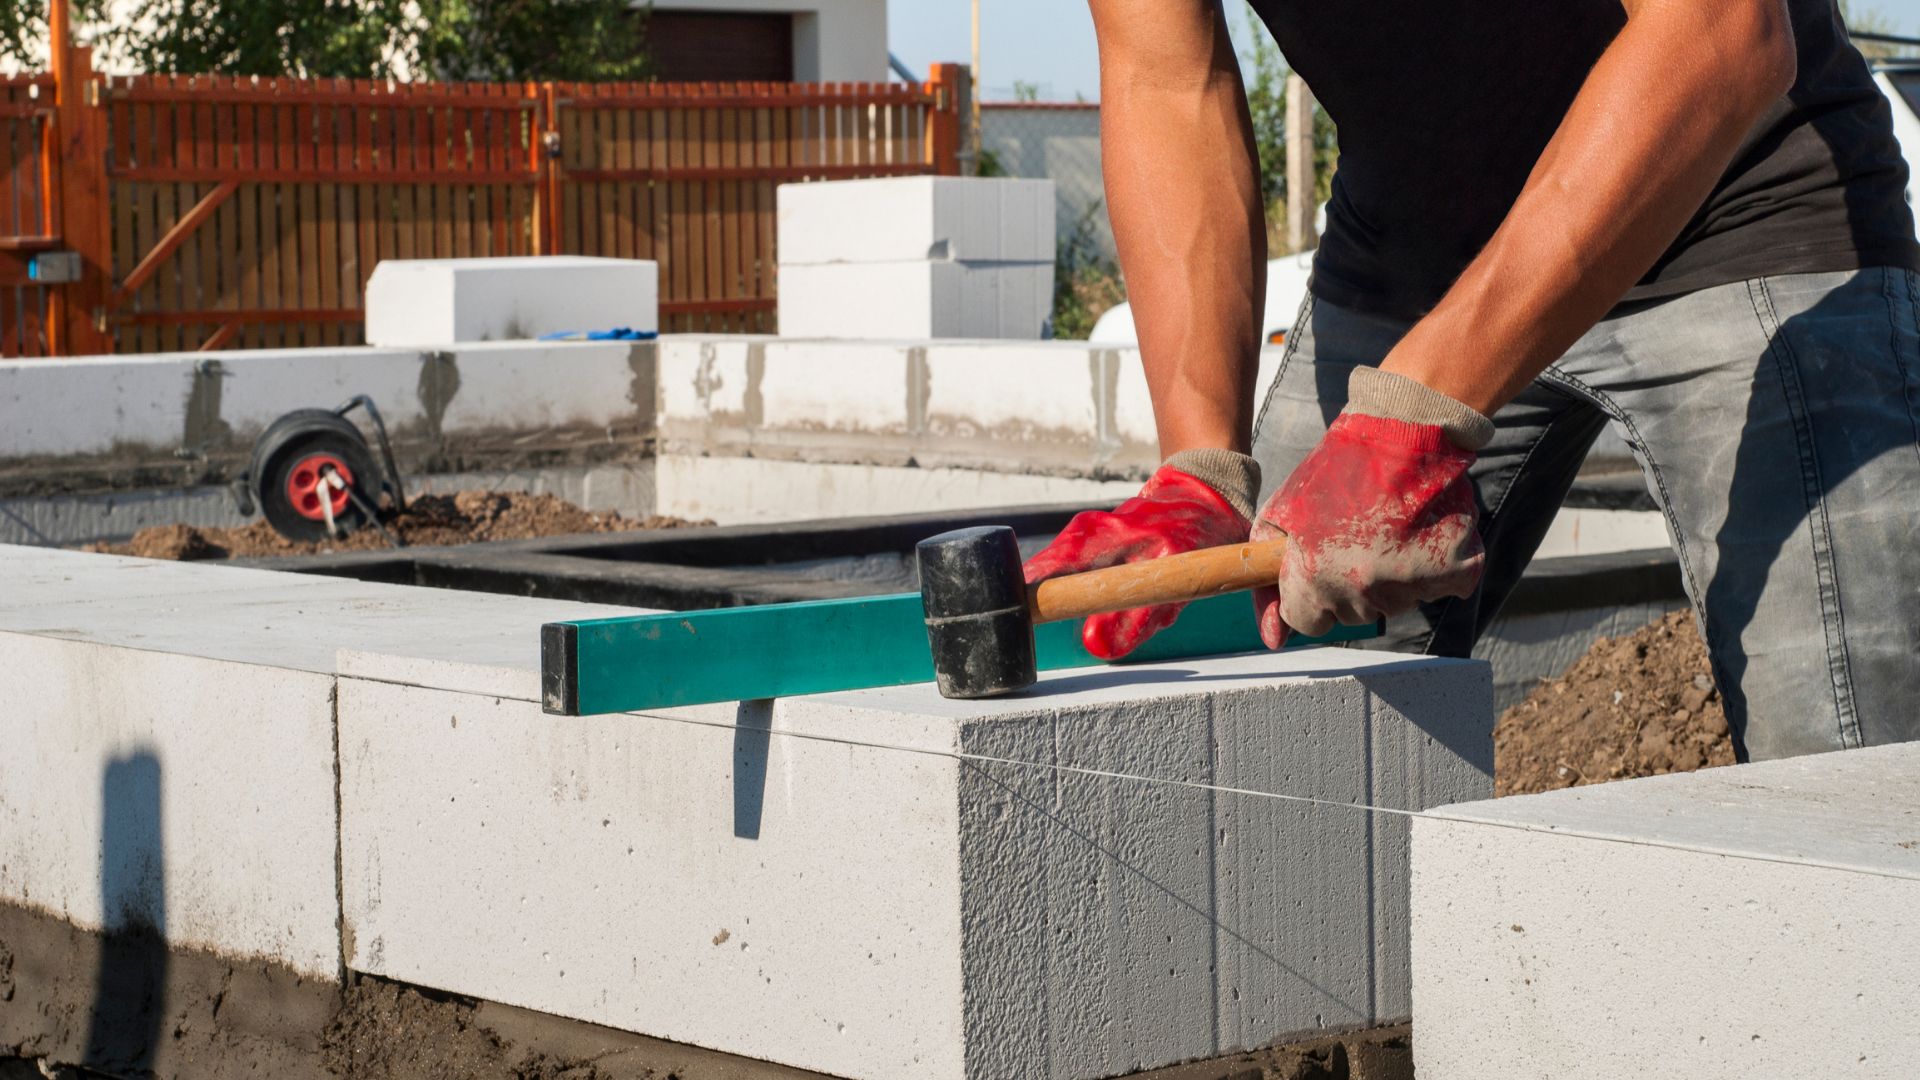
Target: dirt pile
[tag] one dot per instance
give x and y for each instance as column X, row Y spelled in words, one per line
column 462, row 518
column 1638, row 705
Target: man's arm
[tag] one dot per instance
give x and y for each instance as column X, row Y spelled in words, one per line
column 1184, row 196
column 1653, row 128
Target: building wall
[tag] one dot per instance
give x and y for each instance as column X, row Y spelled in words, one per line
column 833, row 40
column 1062, row 143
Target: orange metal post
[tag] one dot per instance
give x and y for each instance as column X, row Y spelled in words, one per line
column 80, row 128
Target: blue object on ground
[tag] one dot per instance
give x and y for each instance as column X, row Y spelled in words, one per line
column 618, row 333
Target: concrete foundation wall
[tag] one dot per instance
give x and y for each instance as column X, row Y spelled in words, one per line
column 1737, row 922
column 108, row 424
column 866, row 911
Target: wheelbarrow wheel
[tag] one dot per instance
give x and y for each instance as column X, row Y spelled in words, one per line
column 289, row 470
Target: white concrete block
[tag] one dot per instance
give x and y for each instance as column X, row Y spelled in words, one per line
column 702, row 377
column 909, row 300
column 1012, row 393
column 436, row 302
column 871, row 912
column 294, row 621
column 915, row 218
column 191, row 795
column 1580, row 531
column 831, row 386
column 142, row 404
column 739, row 491
column 1746, row 921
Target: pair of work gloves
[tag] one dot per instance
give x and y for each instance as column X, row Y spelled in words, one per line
column 1378, row 518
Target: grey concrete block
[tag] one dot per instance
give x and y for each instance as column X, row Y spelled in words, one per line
column 875, row 913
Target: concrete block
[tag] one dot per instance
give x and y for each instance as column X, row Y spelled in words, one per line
column 739, row 491
column 816, row 385
column 435, row 302
column 915, row 218
column 909, row 300
column 872, row 912
column 268, row 618
column 1754, row 920
column 134, row 411
column 190, row 795
column 1006, row 394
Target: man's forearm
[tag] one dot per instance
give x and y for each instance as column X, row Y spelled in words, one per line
column 1183, row 193
column 1651, row 131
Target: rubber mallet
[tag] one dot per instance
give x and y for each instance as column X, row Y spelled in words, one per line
column 981, row 612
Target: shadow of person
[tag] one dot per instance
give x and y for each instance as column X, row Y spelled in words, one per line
column 129, row 997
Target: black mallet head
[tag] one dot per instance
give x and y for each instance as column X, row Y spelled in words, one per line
column 978, row 622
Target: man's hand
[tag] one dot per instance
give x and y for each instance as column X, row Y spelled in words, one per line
column 1175, row 512
column 1380, row 517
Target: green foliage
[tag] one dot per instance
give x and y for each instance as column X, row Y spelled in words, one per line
column 307, row 38
column 1267, row 101
column 491, row 40
column 23, row 26
column 988, row 163
column 1025, row 91
column 1085, row 282
column 510, row 40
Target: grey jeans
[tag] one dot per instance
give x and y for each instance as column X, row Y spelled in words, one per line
column 1777, row 424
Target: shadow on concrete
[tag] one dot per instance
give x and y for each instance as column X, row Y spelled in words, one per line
column 752, row 735
column 129, row 998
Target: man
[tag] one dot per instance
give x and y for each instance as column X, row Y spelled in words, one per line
column 1684, row 218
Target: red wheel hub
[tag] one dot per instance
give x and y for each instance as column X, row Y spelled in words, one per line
column 306, row 486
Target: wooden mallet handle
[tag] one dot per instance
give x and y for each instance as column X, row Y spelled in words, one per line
column 1174, row 579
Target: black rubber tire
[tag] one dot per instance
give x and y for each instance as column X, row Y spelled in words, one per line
column 296, row 436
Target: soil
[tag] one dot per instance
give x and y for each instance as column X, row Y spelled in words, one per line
column 1638, row 705
column 384, row 1031
column 461, row 518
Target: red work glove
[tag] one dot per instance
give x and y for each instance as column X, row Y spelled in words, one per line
column 1176, row 511
column 1380, row 517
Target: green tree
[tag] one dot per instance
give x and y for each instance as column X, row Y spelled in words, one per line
column 1267, row 73
column 496, row 40
column 306, row 38
column 23, row 26
column 508, row 40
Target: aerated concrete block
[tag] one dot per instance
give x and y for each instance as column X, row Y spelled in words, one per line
column 1754, row 920
column 916, row 218
column 915, row 299
column 870, row 911
column 191, row 795
column 739, row 490
column 436, row 302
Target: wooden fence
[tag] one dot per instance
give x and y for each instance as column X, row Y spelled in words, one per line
column 214, row 211
column 26, row 223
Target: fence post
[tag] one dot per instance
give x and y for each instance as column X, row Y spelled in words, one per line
column 80, row 308
column 951, row 89
column 546, row 168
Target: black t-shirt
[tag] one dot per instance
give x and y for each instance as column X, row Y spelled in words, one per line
column 1443, row 108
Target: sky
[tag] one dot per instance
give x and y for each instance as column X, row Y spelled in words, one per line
column 1050, row 42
